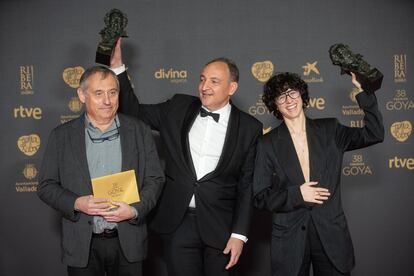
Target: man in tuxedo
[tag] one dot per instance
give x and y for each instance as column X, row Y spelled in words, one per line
column 97, row 240
column 210, row 145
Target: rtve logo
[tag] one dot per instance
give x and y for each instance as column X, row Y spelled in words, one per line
column 396, row 162
column 317, row 103
column 28, row 112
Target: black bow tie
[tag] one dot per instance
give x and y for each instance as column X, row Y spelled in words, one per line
column 205, row 113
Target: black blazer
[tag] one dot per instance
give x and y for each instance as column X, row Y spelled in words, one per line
column 278, row 177
column 223, row 197
column 64, row 176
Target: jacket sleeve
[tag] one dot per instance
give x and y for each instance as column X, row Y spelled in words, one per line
column 243, row 209
column 152, row 114
column 351, row 138
column 268, row 191
column 50, row 188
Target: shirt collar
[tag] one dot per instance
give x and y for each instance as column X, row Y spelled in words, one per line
column 224, row 112
column 91, row 127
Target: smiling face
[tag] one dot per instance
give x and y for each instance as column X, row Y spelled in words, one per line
column 216, row 87
column 100, row 97
column 291, row 104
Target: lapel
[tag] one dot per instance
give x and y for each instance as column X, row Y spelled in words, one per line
column 77, row 138
column 317, row 152
column 229, row 145
column 189, row 119
column 285, row 148
column 289, row 161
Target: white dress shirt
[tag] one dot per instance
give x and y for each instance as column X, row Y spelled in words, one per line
column 206, row 139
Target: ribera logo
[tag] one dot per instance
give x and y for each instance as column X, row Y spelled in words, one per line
column 400, row 68
column 262, row 70
column 174, row 75
column 311, row 73
column 28, row 112
column 356, row 123
column 400, row 101
column 27, row 80
column 357, row 167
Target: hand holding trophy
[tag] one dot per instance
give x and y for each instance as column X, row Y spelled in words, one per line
column 369, row 78
column 115, row 22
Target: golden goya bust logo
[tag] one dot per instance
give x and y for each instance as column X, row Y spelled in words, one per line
column 116, row 190
column 29, row 144
column 72, row 75
column 262, row 70
column 401, row 130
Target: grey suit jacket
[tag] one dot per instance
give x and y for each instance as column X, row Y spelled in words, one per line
column 64, row 177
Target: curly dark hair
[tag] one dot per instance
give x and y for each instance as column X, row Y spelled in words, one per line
column 278, row 84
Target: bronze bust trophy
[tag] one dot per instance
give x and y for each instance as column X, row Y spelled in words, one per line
column 115, row 22
column 370, row 78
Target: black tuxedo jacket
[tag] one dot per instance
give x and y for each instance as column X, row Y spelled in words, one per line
column 223, row 197
column 278, row 177
column 64, row 176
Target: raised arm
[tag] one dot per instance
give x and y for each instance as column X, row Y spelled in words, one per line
column 152, row 114
column 351, row 138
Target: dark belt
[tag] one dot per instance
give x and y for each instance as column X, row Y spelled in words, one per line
column 106, row 234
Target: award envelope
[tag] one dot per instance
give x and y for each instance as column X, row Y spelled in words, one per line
column 119, row 187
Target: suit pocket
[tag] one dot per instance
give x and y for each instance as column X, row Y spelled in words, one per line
column 340, row 220
column 280, row 226
column 279, row 231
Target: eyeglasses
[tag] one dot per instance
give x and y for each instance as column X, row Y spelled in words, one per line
column 293, row 94
column 107, row 138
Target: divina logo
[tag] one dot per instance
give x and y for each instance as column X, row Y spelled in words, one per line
column 175, row 76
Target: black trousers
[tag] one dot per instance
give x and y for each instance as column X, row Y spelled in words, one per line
column 106, row 258
column 187, row 255
column 315, row 254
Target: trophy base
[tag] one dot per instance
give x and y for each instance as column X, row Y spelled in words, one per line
column 372, row 83
column 104, row 59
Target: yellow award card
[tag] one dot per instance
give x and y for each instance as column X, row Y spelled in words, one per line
column 119, row 187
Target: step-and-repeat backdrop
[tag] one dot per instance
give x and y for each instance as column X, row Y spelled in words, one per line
column 46, row 45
